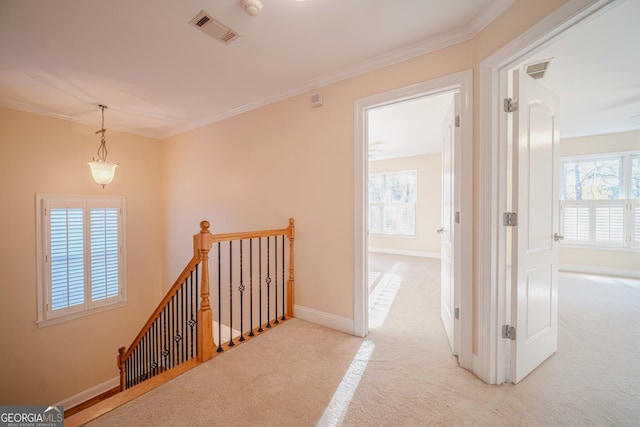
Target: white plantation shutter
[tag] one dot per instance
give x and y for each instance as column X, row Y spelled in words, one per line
column 635, row 224
column 407, row 220
column 390, row 219
column 66, row 258
column 576, row 222
column 104, row 253
column 609, row 222
column 375, row 218
column 80, row 253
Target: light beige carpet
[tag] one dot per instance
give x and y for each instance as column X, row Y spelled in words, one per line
column 403, row 374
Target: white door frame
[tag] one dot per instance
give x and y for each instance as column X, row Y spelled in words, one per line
column 492, row 241
column 461, row 81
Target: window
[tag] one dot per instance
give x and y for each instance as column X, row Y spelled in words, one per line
column 600, row 200
column 80, row 256
column 392, row 203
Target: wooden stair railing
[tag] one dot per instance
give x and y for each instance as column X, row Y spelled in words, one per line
column 181, row 328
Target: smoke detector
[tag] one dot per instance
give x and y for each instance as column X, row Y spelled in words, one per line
column 252, row 7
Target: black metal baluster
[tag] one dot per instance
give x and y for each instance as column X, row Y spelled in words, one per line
column 191, row 320
column 283, row 281
column 251, row 288
column 165, row 341
column 159, row 342
column 128, row 372
column 136, row 365
column 152, row 349
column 171, row 334
column 174, row 330
column 144, row 358
column 197, row 298
column 147, row 358
column 231, row 343
column 219, row 302
column 260, row 280
column 241, row 289
column 268, row 281
column 275, row 268
column 183, row 323
column 183, row 316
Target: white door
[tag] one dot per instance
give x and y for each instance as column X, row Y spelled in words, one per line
column 534, row 294
column 448, row 287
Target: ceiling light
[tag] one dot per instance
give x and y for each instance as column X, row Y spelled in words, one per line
column 102, row 169
column 252, row 7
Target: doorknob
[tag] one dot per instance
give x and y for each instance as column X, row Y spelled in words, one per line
column 557, row 237
column 440, row 230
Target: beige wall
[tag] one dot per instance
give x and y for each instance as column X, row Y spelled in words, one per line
column 287, row 159
column 250, row 171
column 590, row 260
column 43, row 155
column 428, row 211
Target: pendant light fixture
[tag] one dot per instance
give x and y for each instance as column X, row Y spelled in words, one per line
column 102, row 169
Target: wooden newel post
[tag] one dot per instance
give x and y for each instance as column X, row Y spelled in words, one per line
column 205, row 316
column 121, row 351
column 291, row 283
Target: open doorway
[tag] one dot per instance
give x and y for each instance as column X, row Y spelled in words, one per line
column 407, row 197
column 559, row 48
column 366, row 148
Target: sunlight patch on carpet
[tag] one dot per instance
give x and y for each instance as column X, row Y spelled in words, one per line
column 337, row 408
column 381, row 299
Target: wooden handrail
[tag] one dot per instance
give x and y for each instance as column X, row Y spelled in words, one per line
column 202, row 244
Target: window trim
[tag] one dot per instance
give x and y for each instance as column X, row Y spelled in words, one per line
column 45, row 317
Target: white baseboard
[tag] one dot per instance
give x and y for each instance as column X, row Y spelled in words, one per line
column 89, row 393
column 325, row 319
column 601, row 271
column 406, row 252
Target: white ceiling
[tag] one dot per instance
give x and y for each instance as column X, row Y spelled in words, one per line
column 595, row 70
column 160, row 76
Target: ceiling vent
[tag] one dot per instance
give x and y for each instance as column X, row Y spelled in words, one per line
column 539, row 69
column 216, row 29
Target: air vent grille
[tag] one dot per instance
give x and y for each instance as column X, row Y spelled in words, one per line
column 538, row 70
column 214, row 28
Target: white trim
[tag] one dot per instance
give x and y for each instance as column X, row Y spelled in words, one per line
column 600, row 271
column 86, row 202
column 325, row 319
column 461, row 82
column 89, row 393
column 492, row 237
column 420, row 254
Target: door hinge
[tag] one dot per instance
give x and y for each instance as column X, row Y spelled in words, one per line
column 456, row 313
column 510, row 105
column 457, row 120
column 509, row 332
column 457, row 217
column 510, row 219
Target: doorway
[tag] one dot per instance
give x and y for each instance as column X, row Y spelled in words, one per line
column 460, row 83
column 494, row 239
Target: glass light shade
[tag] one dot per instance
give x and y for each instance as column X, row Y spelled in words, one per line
column 103, row 172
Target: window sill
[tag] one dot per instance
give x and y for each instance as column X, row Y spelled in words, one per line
column 60, row 319
column 598, row 248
